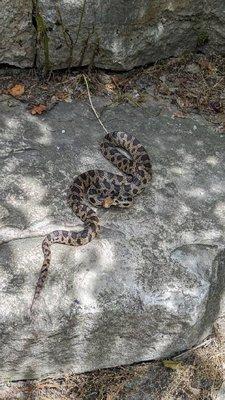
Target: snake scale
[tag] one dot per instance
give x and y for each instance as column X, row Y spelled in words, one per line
column 101, row 188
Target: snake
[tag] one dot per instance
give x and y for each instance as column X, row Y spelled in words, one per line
column 100, row 188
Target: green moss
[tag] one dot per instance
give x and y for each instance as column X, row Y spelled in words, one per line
column 202, row 38
column 43, row 37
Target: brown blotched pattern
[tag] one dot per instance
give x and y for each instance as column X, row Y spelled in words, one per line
column 101, row 188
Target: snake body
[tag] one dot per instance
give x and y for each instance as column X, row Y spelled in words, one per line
column 101, row 188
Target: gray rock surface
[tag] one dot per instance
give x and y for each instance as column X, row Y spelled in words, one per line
column 108, row 34
column 215, row 26
column 116, row 34
column 221, row 393
column 17, row 33
column 151, row 285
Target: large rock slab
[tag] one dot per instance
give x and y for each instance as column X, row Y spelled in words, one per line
column 151, row 285
column 215, row 26
column 115, row 34
column 17, row 33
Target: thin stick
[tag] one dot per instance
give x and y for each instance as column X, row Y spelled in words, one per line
column 185, row 353
column 94, row 110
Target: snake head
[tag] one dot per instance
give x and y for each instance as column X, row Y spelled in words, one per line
column 107, row 202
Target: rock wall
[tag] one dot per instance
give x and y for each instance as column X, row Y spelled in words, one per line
column 215, row 26
column 118, row 34
column 17, row 33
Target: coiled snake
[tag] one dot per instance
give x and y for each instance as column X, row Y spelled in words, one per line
column 101, row 188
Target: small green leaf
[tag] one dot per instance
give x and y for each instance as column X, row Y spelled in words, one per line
column 172, row 364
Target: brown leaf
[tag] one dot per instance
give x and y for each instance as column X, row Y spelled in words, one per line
column 180, row 102
column 17, row 90
column 110, row 87
column 163, row 89
column 178, row 114
column 116, row 79
column 38, row 109
column 207, row 66
column 119, row 81
column 63, row 96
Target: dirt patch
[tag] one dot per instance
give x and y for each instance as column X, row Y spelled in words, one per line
column 192, row 83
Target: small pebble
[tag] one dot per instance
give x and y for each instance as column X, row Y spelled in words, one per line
column 193, row 68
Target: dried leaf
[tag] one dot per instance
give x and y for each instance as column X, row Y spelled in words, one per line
column 17, row 90
column 107, row 202
column 63, row 96
column 180, row 102
column 116, row 79
column 172, row 364
column 163, row 89
column 39, row 109
column 110, row 87
column 208, row 66
column 178, row 114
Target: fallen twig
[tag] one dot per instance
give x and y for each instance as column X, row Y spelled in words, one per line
column 92, row 106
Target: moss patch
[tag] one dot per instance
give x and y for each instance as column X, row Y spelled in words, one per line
column 42, row 35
